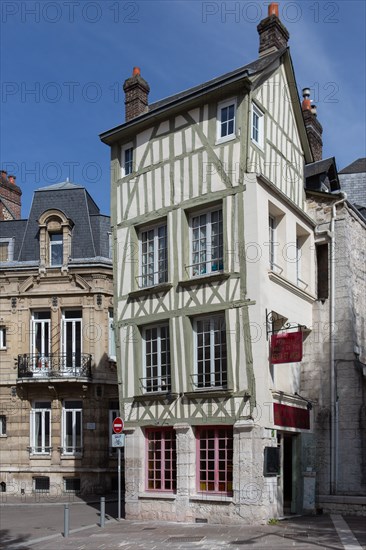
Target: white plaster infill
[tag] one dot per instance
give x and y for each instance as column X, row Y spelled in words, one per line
column 345, row 534
column 288, row 285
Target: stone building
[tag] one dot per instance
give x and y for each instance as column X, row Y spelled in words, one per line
column 215, row 287
column 334, row 372
column 353, row 181
column 58, row 392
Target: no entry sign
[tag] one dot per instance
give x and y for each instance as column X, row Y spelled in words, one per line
column 118, row 425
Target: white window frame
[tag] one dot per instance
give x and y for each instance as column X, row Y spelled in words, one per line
column 163, row 381
column 223, row 105
column 2, row 338
column 55, row 244
column 208, row 263
column 2, row 425
column 41, row 356
column 10, row 248
column 157, row 276
column 211, row 320
column 127, row 168
column 72, row 320
column 74, row 449
column 42, row 411
column 111, row 336
column 257, row 116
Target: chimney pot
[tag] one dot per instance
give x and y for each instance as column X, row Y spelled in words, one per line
column 273, row 9
column 11, row 179
column 313, row 127
column 136, row 71
column 136, row 94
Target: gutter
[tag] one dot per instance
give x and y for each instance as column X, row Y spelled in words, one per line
column 334, row 412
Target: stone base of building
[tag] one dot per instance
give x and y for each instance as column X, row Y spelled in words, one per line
column 341, row 504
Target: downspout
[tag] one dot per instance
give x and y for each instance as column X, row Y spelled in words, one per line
column 333, row 377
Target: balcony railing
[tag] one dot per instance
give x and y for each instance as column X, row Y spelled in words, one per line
column 155, row 384
column 54, row 365
column 210, row 380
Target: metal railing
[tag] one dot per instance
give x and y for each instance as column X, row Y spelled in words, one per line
column 54, row 365
column 210, row 380
column 152, row 278
column 205, row 267
column 155, row 384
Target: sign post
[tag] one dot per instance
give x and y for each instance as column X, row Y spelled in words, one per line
column 118, row 440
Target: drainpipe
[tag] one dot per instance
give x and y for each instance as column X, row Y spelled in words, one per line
column 333, row 377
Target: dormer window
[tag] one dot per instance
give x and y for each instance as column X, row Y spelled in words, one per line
column 56, row 249
column 55, row 231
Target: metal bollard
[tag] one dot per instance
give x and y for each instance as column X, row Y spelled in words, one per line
column 66, row 520
column 102, row 511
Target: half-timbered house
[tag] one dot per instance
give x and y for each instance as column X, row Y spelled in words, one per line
column 214, row 257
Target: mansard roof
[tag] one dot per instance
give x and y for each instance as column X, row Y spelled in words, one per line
column 90, row 228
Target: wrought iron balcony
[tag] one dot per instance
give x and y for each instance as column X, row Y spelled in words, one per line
column 210, row 380
column 54, row 365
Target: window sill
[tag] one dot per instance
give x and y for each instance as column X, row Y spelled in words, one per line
column 160, row 396
column 3, row 436
column 258, row 145
column 39, row 457
column 208, row 392
column 71, row 457
column 225, row 139
column 157, row 495
column 162, row 287
column 288, row 285
column 203, row 279
column 212, row 497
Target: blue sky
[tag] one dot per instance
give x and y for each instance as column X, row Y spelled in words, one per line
column 63, row 64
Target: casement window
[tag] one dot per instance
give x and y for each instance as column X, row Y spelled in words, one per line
column 215, row 460
column 302, row 258
column 272, row 241
column 127, row 159
column 226, row 120
column 40, row 425
column 71, row 484
column 2, row 338
column 161, row 460
column 40, row 341
column 41, row 484
column 257, row 132
column 207, row 243
column 72, row 427
column 322, row 271
column 56, row 249
column 156, row 345
column 298, row 262
column 6, row 250
column 72, row 340
column 153, row 256
column 2, row 424
column 111, row 337
column 210, row 352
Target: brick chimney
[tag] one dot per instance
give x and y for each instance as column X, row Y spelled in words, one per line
column 313, row 127
column 273, row 35
column 10, row 198
column 136, row 91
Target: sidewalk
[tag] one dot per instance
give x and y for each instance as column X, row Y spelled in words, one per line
column 302, row 533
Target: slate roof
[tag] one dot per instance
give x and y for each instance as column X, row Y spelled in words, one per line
column 322, row 175
column 251, row 69
column 90, row 237
column 356, row 167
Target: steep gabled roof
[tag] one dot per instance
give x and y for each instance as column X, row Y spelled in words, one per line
column 356, row 167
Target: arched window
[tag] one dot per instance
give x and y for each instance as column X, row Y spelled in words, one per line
column 55, row 239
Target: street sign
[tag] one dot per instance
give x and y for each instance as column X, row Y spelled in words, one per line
column 118, row 440
column 118, row 425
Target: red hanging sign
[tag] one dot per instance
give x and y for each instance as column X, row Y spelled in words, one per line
column 291, row 417
column 286, row 347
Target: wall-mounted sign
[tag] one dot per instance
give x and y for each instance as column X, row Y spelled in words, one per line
column 118, row 440
column 291, row 417
column 286, row 347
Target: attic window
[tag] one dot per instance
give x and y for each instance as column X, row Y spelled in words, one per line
column 257, row 126
column 226, row 120
column 6, row 250
column 56, row 249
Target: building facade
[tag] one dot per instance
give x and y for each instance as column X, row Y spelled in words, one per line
column 213, row 261
column 58, row 392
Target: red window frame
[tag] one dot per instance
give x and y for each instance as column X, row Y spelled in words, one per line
column 215, row 460
column 161, row 460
